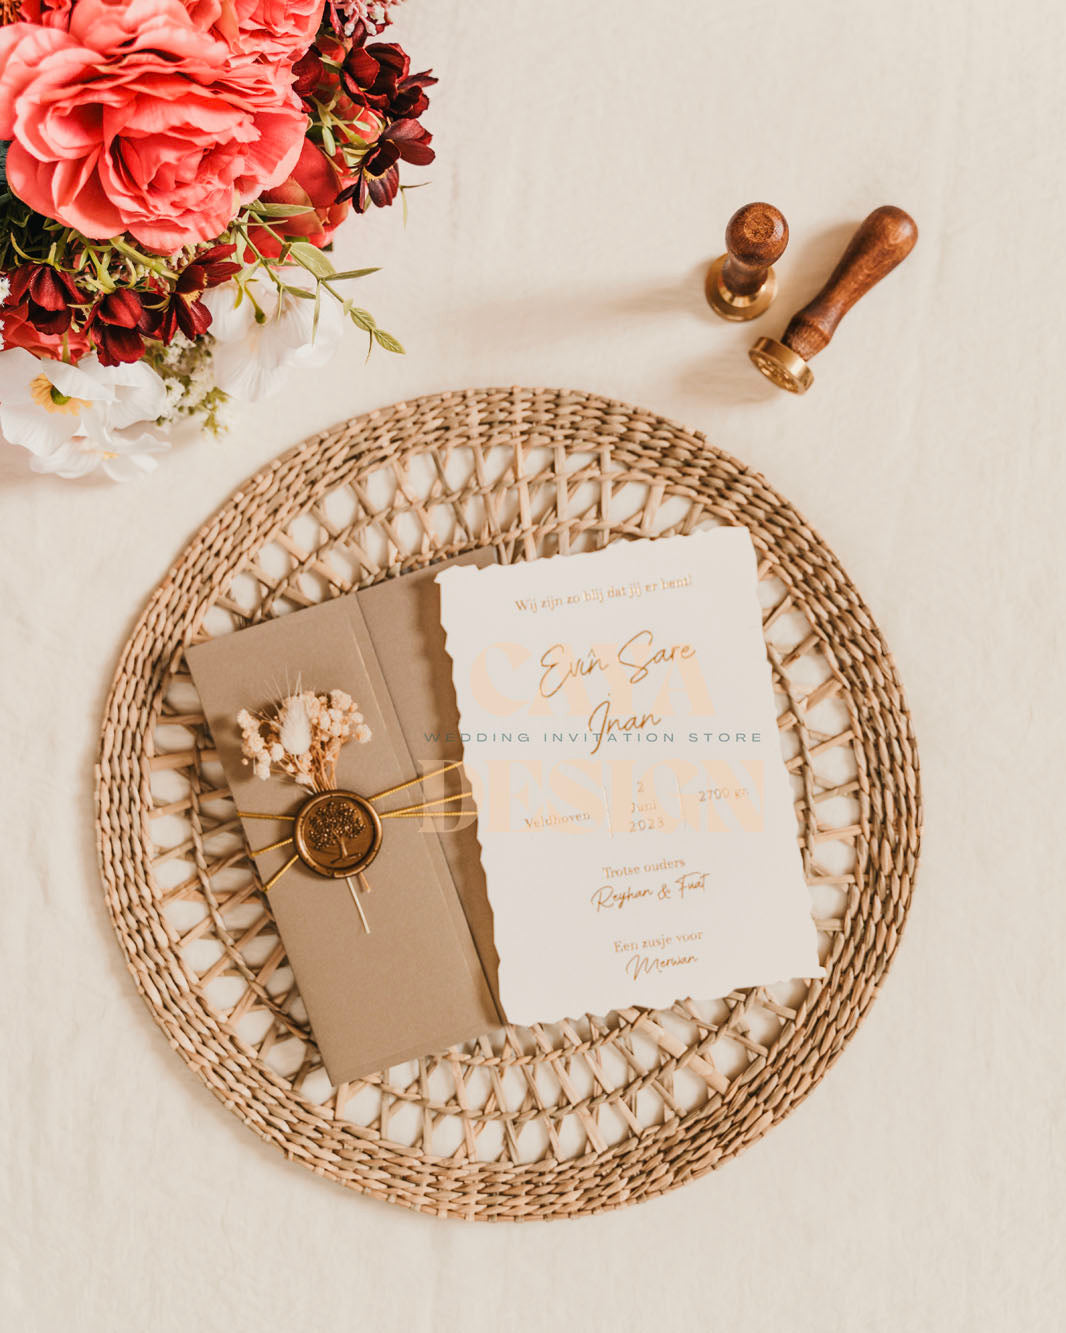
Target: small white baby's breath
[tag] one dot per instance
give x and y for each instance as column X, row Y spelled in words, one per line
column 302, row 737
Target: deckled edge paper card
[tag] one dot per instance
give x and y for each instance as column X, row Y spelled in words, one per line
column 635, row 815
column 416, row 983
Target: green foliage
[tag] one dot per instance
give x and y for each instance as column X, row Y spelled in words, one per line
column 315, row 262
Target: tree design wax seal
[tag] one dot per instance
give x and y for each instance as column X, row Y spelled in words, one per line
column 335, row 833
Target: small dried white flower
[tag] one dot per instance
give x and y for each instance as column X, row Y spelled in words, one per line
column 302, row 737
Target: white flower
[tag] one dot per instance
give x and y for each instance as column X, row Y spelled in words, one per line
column 249, row 357
column 74, row 419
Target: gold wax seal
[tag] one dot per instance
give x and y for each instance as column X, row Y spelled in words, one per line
column 337, row 833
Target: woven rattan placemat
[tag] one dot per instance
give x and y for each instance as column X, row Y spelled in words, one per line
column 559, row 1119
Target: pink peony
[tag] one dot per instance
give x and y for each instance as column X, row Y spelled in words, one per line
column 136, row 119
column 269, row 29
column 279, row 29
column 51, row 13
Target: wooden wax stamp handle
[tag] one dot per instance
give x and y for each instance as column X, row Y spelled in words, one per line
column 741, row 283
column 882, row 241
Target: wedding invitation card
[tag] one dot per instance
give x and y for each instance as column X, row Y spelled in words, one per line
column 635, row 815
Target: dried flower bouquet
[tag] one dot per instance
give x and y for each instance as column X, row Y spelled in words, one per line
column 302, row 737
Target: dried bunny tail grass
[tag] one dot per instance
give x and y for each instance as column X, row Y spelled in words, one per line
column 294, row 729
column 301, row 737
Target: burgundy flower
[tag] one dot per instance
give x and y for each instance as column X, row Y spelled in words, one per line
column 308, row 73
column 360, row 72
column 379, row 76
column 209, row 268
column 367, row 189
column 180, row 313
column 375, row 84
column 378, row 177
column 116, row 327
column 180, row 309
column 411, row 142
column 313, row 77
column 373, row 74
column 410, row 99
column 49, row 295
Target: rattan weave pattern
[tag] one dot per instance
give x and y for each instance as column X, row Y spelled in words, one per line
column 560, row 1119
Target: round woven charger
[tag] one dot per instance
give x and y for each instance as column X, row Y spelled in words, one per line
column 556, row 1120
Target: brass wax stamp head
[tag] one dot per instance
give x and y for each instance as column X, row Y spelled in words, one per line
column 337, row 833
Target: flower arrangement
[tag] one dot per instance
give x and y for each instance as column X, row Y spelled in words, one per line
column 302, row 737
column 171, row 175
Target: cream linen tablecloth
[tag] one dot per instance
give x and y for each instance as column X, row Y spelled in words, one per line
column 590, row 154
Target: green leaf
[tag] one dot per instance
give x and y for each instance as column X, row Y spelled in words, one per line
column 362, row 319
column 354, row 273
column 312, row 259
column 263, row 210
column 387, row 341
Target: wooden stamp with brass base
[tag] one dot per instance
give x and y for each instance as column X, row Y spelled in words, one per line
column 741, row 283
column 882, row 241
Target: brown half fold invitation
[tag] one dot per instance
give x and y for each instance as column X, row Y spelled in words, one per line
column 424, row 977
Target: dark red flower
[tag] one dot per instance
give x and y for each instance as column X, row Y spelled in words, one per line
column 182, row 314
column 373, row 74
column 209, row 268
column 378, row 179
column 308, row 73
column 411, row 141
column 179, row 309
column 314, row 74
column 49, row 295
column 116, row 327
column 377, row 190
column 410, row 99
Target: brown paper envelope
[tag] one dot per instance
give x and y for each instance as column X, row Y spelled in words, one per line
column 415, row 983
